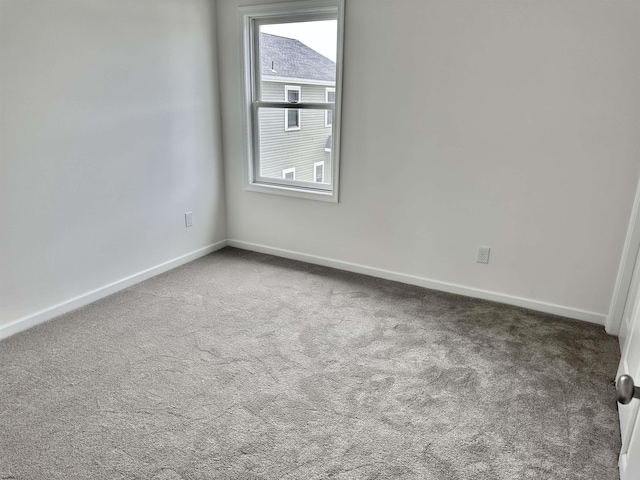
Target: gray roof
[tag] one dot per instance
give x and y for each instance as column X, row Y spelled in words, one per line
column 292, row 58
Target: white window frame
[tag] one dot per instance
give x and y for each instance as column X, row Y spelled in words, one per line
column 328, row 90
column 287, row 89
column 251, row 18
column 316, row 165
column 289, row 170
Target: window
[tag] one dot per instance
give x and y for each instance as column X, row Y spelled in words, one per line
column 291, row 115
column 329, row 97
column 318, row 172
column 327, row 145
column 292, row 84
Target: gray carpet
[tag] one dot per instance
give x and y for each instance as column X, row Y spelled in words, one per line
column 246, row 366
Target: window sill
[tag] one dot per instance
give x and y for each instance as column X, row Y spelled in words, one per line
column 287, row 191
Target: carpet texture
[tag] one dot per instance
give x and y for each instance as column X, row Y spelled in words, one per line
column 247, row 366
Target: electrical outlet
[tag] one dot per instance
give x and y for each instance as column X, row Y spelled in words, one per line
column 188, row 219
column 483, row 255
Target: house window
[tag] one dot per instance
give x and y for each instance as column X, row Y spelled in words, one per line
column 329, row 97
column 291, row 115
column 280, row 60
column 289, row 173
column 318, row 172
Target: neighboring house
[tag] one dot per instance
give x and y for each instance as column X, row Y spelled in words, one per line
column 295, row 144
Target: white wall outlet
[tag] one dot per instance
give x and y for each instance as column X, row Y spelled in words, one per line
column 483, row 255
column 188, row 219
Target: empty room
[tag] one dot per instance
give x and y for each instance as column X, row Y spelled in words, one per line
column 319, row 239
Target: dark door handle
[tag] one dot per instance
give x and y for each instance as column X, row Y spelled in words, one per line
column 626, row 390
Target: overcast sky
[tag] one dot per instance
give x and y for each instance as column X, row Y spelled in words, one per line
column 320, row 36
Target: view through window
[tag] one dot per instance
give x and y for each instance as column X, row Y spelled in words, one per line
column 297, row 66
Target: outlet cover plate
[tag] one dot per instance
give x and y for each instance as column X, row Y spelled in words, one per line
column 483, row 254
column 188, row 219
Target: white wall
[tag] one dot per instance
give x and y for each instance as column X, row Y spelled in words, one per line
column 512, row 124
column 109, row 123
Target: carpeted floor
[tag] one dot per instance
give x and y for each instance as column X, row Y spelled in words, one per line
column 246, row 366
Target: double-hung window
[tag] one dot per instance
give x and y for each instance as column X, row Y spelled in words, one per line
column 292, row 80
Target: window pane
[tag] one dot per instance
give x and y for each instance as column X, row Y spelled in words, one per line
column 297, row 52
column 293, row 118
column 280, row 149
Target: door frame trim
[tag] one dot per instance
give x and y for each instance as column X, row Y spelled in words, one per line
column 630, row 251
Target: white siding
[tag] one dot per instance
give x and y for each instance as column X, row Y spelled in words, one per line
column 280, row 149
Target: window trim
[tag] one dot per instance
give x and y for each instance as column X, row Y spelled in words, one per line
column 296, row 11
column 316, row 165
column 327, row 91
column 287, row 89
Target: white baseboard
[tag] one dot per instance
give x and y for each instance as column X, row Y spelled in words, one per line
column 47, row 314
column 586, row 316
column 86, row 298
